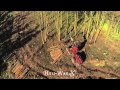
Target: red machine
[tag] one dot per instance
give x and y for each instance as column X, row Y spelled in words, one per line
column 74, row 51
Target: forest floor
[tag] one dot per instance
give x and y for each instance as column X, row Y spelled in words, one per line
column 33, row 60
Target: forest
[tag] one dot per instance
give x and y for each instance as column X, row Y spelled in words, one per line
column 59, row 44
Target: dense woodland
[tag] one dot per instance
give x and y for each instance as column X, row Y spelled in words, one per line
column 28, row 38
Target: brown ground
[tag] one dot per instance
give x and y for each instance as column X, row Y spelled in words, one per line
column 102, row 58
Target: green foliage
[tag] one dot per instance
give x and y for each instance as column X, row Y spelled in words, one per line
column 70, row 23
